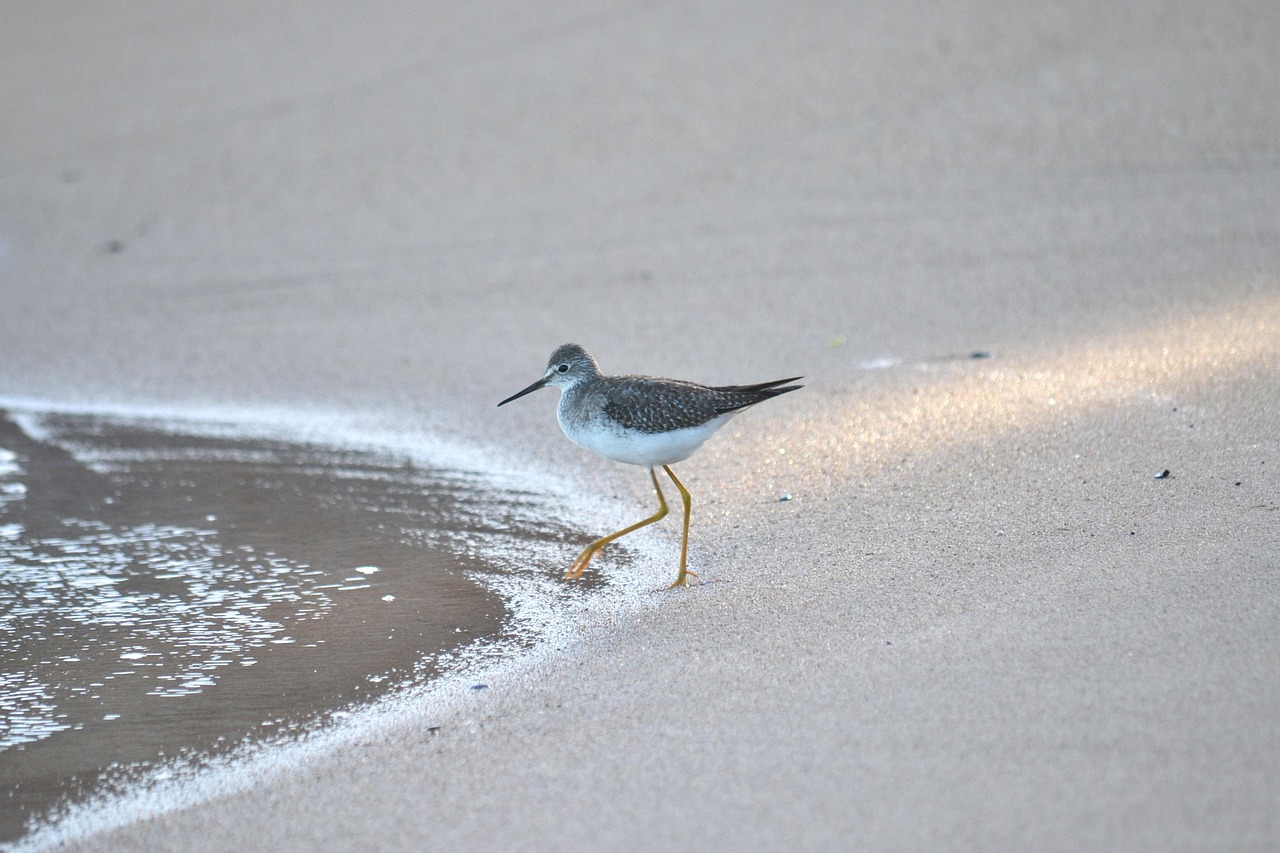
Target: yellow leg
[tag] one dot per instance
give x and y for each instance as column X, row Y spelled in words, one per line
column 575, row 571
column 683, row 578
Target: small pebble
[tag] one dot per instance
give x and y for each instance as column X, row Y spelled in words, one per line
column 479, row 687
column 1163, row 475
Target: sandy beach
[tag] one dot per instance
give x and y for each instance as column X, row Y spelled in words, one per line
column 1028, row 261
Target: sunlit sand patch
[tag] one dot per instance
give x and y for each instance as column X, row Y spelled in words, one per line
column 973, row 400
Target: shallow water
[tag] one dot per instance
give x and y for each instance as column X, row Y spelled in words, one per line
column 166, row 594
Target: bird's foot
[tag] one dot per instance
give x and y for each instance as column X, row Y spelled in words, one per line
column 575, row 571
column 683, row 578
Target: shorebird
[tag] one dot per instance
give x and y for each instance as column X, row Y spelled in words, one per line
column 642, row 420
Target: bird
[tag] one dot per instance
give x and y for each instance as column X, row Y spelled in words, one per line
column 642, row 420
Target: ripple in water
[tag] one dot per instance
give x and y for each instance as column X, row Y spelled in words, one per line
column 165, row 595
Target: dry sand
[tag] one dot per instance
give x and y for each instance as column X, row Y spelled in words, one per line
column 980, row 622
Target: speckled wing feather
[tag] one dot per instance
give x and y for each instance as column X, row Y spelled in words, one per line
column 632, row 402
column 656, row 405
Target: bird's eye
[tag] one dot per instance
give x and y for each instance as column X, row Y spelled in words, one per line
column 563, row 368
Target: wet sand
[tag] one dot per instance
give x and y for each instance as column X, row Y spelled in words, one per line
column 981, row 620
column 176, row 591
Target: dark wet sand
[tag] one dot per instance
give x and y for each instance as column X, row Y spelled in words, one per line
column 169, row 594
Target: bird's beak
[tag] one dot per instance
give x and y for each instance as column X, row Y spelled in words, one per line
column 534, row 387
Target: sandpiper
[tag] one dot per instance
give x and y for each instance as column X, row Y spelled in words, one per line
column 642, row 420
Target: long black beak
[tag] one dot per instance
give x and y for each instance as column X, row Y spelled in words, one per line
column 534, row 387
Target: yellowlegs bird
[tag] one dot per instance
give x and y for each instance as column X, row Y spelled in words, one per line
column 641, row 420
